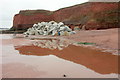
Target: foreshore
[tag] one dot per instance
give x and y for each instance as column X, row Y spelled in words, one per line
column 37, row 56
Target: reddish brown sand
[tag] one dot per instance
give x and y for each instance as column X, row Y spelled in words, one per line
column 75, row 62
column 107, row 38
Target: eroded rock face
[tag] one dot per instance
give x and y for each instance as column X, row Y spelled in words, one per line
column 91, row 15
column 26, row 19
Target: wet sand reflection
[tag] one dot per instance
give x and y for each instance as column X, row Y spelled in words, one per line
column 20, row 70
column 101, row 62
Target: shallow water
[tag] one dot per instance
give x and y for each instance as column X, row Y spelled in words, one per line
column 22, row 59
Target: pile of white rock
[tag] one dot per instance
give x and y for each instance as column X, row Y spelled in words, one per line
column 49, row 28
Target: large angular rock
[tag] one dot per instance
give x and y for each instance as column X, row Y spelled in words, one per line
column 49, row 28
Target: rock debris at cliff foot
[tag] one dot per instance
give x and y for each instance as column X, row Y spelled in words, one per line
column 49, row 28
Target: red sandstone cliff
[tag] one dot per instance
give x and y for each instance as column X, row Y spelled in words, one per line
column 92, row 15
column 27, row 18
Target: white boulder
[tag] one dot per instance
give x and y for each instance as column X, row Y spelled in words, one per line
column 49, row 28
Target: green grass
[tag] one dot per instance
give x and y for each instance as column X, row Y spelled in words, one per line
column 32, row 12
column 86, row 43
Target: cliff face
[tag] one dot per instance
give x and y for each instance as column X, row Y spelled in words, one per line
column 91, row 15
column 27, row 18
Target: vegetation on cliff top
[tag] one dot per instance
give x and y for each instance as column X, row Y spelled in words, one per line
column 32, row 12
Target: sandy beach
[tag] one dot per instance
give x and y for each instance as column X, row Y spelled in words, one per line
column 32, row 58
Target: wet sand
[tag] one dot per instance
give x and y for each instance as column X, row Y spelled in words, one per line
column 22, row 59
column 101, row 62
column 0, row 59
column 107, row 38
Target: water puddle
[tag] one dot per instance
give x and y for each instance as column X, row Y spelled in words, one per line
column 98, row 61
